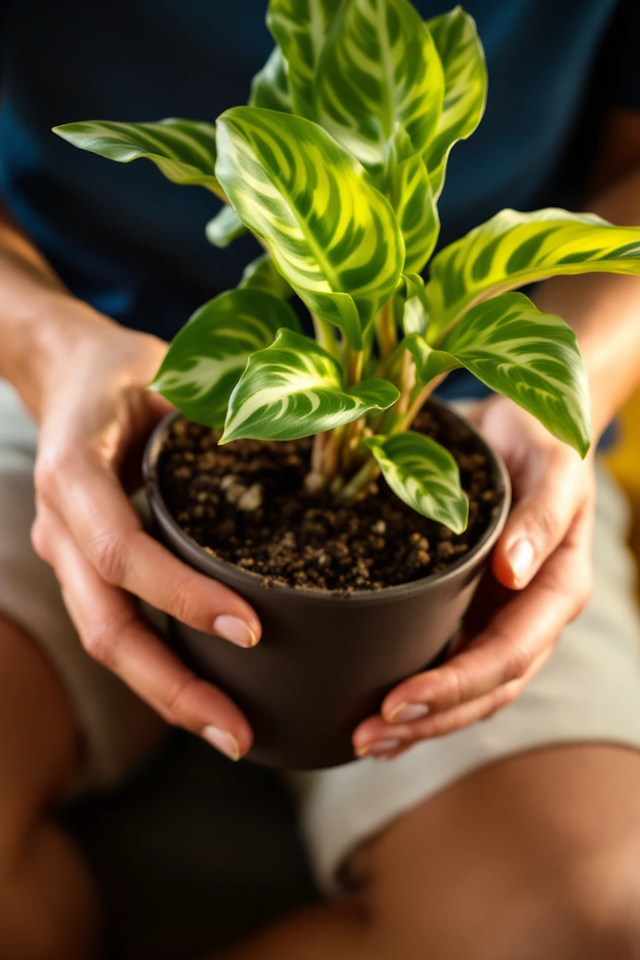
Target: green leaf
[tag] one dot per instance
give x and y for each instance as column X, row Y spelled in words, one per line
column 207, row 357
column 294, row 389
column 409, row 190
column 430, row 363
column 330, row 232
column 224, row 228
column 465, row 88
column 300, row 29
column 379, row 66
column 261, row 274
column 515, row 248
column 529, row 356
column 184, row 150
column 270, row 87
column 424, row 475
column 410, row 305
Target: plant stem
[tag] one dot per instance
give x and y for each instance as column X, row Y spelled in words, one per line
column 325, row 335
column 351, row 441
column 360, row 481
column 419, row 396
column 353, row 362
column 386, row 331
column 332, row 450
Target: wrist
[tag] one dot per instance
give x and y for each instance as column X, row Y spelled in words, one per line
column 42, row 339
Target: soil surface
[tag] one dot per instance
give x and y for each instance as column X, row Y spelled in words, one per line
column 246, row 503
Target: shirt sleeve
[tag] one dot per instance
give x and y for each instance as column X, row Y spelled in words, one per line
column 620, row 65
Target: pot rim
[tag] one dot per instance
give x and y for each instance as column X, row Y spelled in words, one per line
column 476, row 554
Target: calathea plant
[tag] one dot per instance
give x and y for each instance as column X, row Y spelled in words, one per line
column 336, row 166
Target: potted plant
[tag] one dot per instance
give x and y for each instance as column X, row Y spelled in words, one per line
column 313, row 474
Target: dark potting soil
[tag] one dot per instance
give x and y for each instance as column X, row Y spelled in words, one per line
column 246, row 503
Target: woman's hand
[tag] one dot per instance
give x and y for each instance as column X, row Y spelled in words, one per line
column 544, row 554
column 95, row 416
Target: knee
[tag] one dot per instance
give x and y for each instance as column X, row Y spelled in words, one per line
column 587, row 913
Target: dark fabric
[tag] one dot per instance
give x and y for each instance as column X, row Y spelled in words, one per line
column 133, row 244
column 193, row 853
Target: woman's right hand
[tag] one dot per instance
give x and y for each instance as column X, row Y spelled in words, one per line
column 95, row 416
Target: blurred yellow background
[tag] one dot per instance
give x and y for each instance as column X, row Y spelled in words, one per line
column 624, row 460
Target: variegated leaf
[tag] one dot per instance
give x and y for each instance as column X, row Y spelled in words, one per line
column 330, row 232
column 424, row 475
column 411, row 298
column 300, row 29
column 531, row 357
column 184, row 150
column 294, row 389
column 430, row 363
column 465, row 88
column 224, row 228
column 270, row 87
column 409, row 190
column 261, row 274
column 513, row 249
column 379, row 66
column 207, row 357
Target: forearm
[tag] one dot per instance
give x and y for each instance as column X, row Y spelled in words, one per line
column 604, row 310
column 38, row 316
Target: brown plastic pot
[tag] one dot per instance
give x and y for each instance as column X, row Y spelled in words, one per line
column 326, row 660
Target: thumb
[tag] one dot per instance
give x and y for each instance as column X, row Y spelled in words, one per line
column 546, row 506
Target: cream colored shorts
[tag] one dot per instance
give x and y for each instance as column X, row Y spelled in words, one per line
column 588, row 691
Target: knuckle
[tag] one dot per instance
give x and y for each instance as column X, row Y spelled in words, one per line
column 176, row 703
column 453, row 686
column 52, row 466
column 39, row 540
column 547, row 521
column 97, row 640
column 108, row 555
column 517, row 661
column 182, row 604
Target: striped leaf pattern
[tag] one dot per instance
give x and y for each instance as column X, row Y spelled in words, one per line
column 184, row 150
column 294, row 389
column 224, row 228
column 516, row 248
column 409, row 190
column 261, row 274
column 528, row 356
column 424, row 475
column 378, row 67
column 300, row 28
column 270, row 87
column 331, row 233
column 465, row 88
column 409, row 304
column 207, row 357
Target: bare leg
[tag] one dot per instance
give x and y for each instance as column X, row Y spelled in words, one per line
column 534, row 858
column 48, row 908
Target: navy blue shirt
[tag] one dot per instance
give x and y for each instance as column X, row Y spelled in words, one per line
column 132, row 243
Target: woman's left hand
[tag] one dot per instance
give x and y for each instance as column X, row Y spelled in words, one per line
column 540, row 580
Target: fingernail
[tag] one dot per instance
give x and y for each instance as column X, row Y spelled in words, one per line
column 521, row 557
column 406, row 712
column 377, row 748
column 223, row 741
column 235, row 630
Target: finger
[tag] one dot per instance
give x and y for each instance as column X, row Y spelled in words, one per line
column 517, row 635
column 547, row 502
column 376, row 737
column 114, row 634
column 110, row 534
